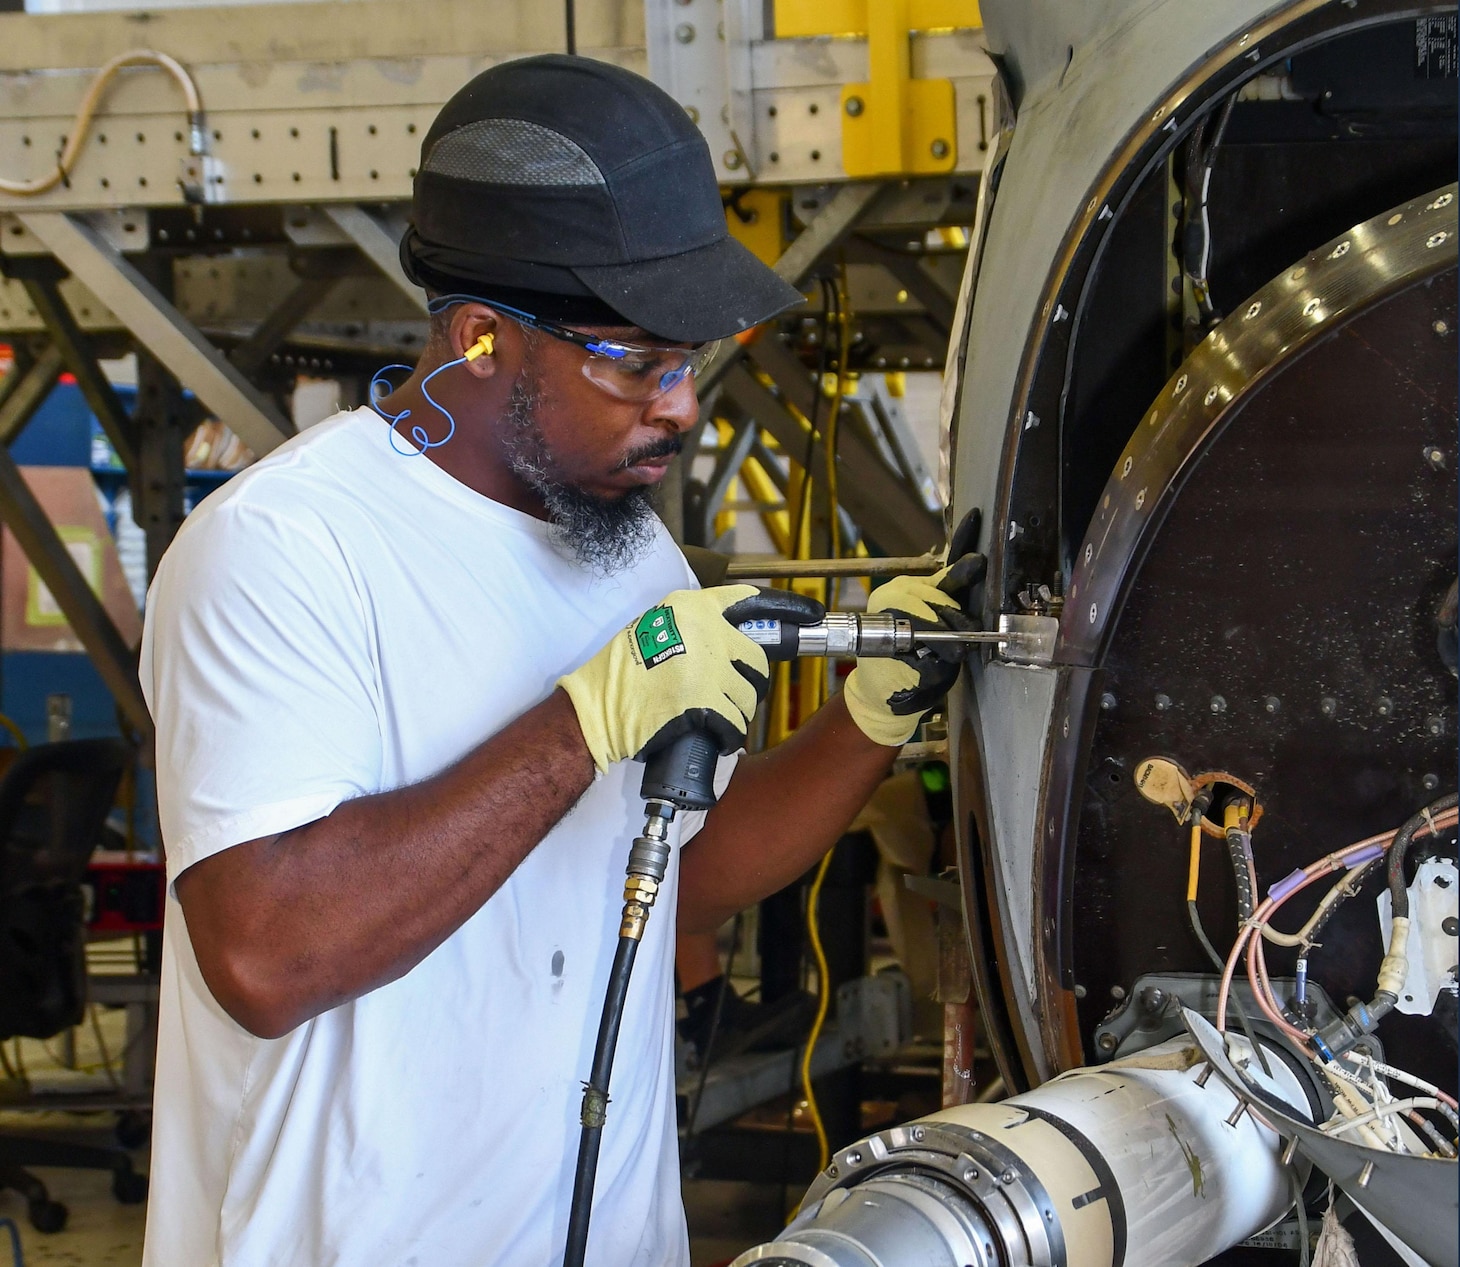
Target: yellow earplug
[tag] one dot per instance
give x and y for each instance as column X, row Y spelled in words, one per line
column 482, row 347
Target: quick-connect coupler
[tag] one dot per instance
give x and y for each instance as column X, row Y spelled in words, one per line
column 648, row 862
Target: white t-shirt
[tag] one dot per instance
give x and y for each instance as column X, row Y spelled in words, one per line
column 341, row 620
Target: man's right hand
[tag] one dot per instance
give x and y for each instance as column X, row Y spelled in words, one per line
column 680, row 666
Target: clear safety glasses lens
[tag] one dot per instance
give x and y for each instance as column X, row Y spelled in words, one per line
column 633, row 373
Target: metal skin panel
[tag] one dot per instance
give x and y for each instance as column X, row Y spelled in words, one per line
column 999, row 730
column 1280, row 625
column 1083, row 140
column 1414, row 1198
column 1304, row 303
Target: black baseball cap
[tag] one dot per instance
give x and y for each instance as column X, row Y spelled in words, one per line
column 585, row 187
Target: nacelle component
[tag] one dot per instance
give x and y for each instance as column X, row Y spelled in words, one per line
column 1147, row 1162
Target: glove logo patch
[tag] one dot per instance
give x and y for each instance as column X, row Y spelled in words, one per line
column 657, row 636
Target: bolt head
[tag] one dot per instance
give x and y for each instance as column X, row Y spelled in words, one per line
column 684, row 33
column 1153, row 999
column 1117, row 992
column 917, row 1132
column 1435, row 456
column 1430, row 782
column 1008, row 1176
column 732, row 160
column 1384, row 706
column 940, row 148
column 1107, row 701
column 855, row 106
column 1272, row 704
column 1219, row 704
column 1442, row 327
column 854, row 1158
column 1328, row 706
column 1106, row 1042
column 1163, row 702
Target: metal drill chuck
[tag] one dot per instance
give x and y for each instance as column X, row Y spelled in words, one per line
column 837, row 636
column 846, row 635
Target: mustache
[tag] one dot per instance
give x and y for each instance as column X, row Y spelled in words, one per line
column 668, row 447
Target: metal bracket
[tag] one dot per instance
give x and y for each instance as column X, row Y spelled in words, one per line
column 893, row 124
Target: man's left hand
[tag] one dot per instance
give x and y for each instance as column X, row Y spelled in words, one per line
column 888, row 697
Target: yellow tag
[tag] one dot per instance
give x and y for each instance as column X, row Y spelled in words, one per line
column 1162, row 782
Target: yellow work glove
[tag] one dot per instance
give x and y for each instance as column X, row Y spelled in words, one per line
column 680, row 666
column 887, row 696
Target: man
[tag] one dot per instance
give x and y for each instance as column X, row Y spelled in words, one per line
column 397, row 695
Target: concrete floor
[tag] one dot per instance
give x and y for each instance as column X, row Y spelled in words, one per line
column 100, row 1230
column 724, row 1218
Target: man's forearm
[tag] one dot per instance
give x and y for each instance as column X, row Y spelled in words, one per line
column 289, row 926
column 781, row 812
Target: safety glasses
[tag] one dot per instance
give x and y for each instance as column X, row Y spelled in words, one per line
column 628, row 371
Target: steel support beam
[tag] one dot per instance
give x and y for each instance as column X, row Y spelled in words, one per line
column 727, row 465
column 878, row 499
column 378, row 245
column 251, row 355
column 832, row 223
column 83, row 610
column 164, row 331
column 80, row 359
column 923, row 286
column 29, row 392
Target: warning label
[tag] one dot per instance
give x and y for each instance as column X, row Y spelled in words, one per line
column 1436, row 51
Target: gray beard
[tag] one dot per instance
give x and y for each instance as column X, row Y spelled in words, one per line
column 605, row 534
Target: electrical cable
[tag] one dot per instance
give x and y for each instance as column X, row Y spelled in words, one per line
column 1301, row 1208
column 803, row 496
column 823, row 999
column 709, row 1057
column 1380, row 1111
column 15, row 1250
column 1399, row 850
column 86, row 112
column 1193, row 918
column 1345, row 887
column 813, row 930
column 1352, row 856
column 106, row 1060
column 15, row 732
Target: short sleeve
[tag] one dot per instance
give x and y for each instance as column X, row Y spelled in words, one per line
column 257, row 665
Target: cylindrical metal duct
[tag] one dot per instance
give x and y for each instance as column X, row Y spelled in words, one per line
column 1145, row 1162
